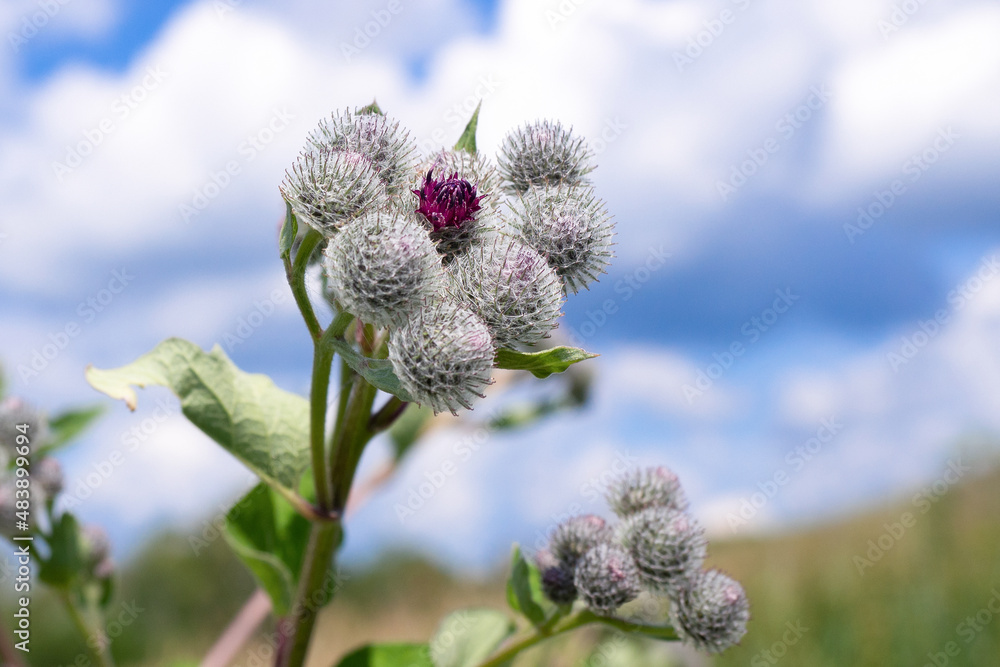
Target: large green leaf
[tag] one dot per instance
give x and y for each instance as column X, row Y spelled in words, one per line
column 543, row 363
column 378, row 372
column 270, row 537
column 467, row 142
column 67, row 425
column 263, row 426
column 467, row 637
column 524, row 588
column 389, row 655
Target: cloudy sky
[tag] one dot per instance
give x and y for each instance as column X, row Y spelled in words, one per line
column 807, row 204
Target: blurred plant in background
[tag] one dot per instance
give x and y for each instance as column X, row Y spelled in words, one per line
column 49, row 541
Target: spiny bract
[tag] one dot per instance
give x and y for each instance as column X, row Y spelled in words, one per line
column 576, row 536
column 643, row 488
column 443, row 356
column 328, row 188
column 511, row 287
column 383, row 266
column 668, row 546
column 711, row 612
column 570, row 227
column 374, row 135
column 606, row 578
column 543, row 153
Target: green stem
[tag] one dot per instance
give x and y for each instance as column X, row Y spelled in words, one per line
column 324, row 537
column 538, row 636
column 386, row 415
column 296, row 275
column 311, row 594
column 322, row 362
column 101, row 653
column 347, row 445
column 577, row 620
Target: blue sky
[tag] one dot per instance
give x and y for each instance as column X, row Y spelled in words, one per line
column 845, row 156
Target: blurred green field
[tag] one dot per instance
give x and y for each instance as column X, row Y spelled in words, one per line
column 924, row 599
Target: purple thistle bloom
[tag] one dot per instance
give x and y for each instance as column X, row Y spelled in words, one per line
column 448, row 202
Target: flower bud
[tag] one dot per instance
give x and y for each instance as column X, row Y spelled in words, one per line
column 668, row 546
column 571, row 228
column 96, row 545
column 543, row 153
column 382, row 267
column 49, row 476
column 638, row 490
column 576, row 536
column 443, row 356
column 376, row 136
column 328, row 188
column 511, row 287
column 711, row 612
column 606, row 578
column 557, row 580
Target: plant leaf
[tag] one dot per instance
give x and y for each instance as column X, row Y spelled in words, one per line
column 378, row 372
column 467, row 142
column 289, row 228
column 270, row 537
column 67, row 425
column 543, row 363
column 467, row 637
column 524, row 588
column 66, row 561
column 389, row 655
column 263, row 426
column 372, row 108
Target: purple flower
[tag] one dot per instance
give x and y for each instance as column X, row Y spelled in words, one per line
column 448, row 202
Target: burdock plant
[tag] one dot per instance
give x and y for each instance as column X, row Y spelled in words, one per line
column 438, row 269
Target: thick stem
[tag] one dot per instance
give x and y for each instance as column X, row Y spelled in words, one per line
column 322, row 362
column 312, row 594
column 296, row 275
column 347, row 445
column 100, row 653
